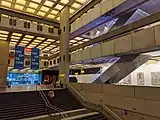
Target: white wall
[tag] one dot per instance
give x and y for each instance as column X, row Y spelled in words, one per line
column 151, row 73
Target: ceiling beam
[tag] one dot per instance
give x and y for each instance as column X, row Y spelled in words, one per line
column 9, row 36
column 55, row 37
column 31, row 41
column 84, row 10
column 29, row 17
column 21, row 38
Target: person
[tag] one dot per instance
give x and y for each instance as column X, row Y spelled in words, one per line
column 51, row 95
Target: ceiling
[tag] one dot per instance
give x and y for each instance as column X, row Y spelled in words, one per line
column 46, row 45
column 49, row 9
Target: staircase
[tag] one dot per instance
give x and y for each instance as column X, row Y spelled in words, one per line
column 24, row 105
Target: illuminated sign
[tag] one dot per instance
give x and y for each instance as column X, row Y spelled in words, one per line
column 19, row 57
column 35, row 53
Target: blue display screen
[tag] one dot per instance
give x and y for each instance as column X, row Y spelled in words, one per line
column 24, row 78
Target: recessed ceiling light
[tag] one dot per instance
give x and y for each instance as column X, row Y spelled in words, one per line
column 71, row 11
column 48, row 3
column 37, row 41
column 75, row 5
column 85, row 40
column 29, row 36
column 41, row 13
column 58, row 18
column 47, row 42
column 30, row 10
column 54, row 12
column 17, row 34
column 81, row 1
column 73, row 41
column 18, row 7
column 51, row 16
column 4, row 32
column 50, row 40
column 33, row 5
column 22, row 2
column 40, row 38
column 25, row 41
column 2, row 35
column 38, row 1
column 12, row 43
column 14, row 40
column 59, row 7
column 15, row 37
column 78, row 38
column 45, row 9
column 7, row 4
column 64, row 1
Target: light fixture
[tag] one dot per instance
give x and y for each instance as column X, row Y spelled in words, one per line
column 4, row 32
column 54, row 12
column 21, row 2
column 37, row 41
column 50, row 40
column 76, row 5
column 58, row 18
column 18, row 7
column 48, row 3
column 29, row 36
column 59, row 7
column 78, row 38
column 40, row 38
column 81, row 1
column 14, row 40
column 33, row 5
column 38, row 1
column 45, row 9
column 85, row 40
column 64, row 1
column 7, row 4
column 17, row 34
column 73, row 41
column 71, row 11
column 30, row 10
column 51, row 16
column 24, row 41
column 15, row 37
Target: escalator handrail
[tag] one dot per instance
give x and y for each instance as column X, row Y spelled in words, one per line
column 48, row 104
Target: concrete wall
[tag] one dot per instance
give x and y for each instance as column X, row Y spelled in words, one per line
column 4, row 55
column 140, row 100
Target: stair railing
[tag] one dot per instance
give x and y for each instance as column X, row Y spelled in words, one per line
column 49, row 105
column 100, row 107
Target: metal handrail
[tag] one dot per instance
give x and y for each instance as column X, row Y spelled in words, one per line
column 83, row 99
column 48, row 104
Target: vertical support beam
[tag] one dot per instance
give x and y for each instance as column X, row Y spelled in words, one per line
column 4, row 51
column 64, row 46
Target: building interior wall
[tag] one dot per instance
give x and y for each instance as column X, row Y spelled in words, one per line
column 146, row 75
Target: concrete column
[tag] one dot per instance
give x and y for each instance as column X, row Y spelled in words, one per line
column 4, row 55
column 64, row 45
